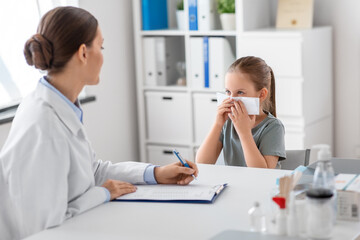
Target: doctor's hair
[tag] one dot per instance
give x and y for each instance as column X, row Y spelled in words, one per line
column 60, row 33
column 261, row 75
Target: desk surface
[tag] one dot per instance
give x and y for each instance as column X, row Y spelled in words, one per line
column 145, row 220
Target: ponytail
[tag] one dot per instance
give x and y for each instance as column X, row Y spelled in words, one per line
column 272, row 108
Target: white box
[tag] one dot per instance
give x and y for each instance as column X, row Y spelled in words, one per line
column 205, row 109
column 168, row 117
column 348, row 196
column 162, row 155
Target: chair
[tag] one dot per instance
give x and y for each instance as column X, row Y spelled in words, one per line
column 294, row 158
column 343, row 165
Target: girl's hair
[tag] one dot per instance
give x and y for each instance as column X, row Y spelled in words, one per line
column 60, row 33
column 261, row 75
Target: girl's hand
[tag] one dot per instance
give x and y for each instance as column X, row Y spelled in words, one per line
column 176, row 173
column 243, row 123
column 223, row 110
column 118, row 188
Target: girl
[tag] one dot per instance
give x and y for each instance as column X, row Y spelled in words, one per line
column 246, row 140
column 47, row 161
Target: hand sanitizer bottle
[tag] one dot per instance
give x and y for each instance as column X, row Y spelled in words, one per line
column 257, row 219
column 280, row 219
column 292, row 223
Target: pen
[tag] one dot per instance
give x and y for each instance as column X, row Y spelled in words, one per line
column 183, row 162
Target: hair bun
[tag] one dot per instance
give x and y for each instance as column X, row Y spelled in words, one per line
column 38, row 51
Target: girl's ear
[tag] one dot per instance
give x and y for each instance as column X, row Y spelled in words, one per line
column 263, row 94
column 82, row 53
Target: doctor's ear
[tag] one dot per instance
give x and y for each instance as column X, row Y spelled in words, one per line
column 263, row 94
column 82, row 53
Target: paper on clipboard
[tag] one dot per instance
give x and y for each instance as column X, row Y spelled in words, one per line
column 192, row 193
column 252, row 104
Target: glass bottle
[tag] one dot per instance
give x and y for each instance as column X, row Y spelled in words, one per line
column 320, row 213
column 324, row 177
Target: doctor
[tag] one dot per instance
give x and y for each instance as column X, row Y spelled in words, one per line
column 48, row 163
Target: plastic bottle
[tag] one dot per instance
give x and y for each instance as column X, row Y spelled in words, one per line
column 280, row 219
column 292, row 221
column 257, row 218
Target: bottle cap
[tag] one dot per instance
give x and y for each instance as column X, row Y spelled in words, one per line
column 280, row 201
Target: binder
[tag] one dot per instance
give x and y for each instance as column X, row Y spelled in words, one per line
column 206, row 15
column 220, row 58
column 160, row 60
column 197, row 62
column 192, row 193
column 193, row 15
column 168, row 53
column 154, row 14
column 206, row 62
column 150, row 70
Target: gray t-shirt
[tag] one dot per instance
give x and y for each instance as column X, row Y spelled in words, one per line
column 268, row 136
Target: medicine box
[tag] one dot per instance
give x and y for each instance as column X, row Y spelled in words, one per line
column 348, row 196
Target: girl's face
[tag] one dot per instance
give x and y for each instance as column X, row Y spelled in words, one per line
column 238, row 84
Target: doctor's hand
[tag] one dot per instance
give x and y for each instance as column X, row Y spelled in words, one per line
column 118, row 188
column 176, row 173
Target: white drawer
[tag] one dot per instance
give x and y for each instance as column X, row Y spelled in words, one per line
column 205, row 108
column 168, row 119
column 289, row 96
column 162, row 155
column 282, row 54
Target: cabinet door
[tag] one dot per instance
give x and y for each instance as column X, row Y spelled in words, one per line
column 163, row 155
column 289, row 96
column 168, row 119
column 282, row 54
column 205, row 108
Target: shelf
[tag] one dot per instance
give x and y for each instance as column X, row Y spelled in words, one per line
column 166, row 88
column 213, row 33
column 165, row 32
column 175, row 32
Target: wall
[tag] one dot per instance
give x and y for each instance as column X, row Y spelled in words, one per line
column 111, row 121
column 345, row 19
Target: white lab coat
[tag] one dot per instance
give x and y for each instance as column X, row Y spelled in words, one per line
column 50, row 166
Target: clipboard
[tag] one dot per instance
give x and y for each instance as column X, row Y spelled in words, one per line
column 193, row 193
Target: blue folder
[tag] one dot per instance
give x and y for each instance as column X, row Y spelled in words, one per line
column 193, row 17
column 206, row 62
column 154, row 14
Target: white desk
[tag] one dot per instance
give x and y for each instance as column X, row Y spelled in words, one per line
column 136, row 220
